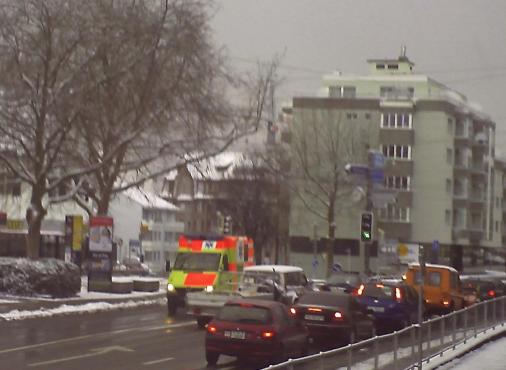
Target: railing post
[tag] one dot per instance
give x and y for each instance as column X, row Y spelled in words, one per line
column 322, row 361
column 429, row 336
column 494, row 312
column 396, row 348
column 454, row 329
column 350, row 357
column 485, row 315
column 443, row 320
column 420, row 347
column 465, row 324
column 376, row 359
column 475, row 321
column 412, row 341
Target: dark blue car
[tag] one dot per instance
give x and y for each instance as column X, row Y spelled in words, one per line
column 393, row 304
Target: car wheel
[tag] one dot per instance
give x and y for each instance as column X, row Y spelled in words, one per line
column 304, row 351
column 281, row 357
column 202, row 322
column 171, row 307
column 212, row 358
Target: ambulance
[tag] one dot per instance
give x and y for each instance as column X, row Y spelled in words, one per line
column 207, row 263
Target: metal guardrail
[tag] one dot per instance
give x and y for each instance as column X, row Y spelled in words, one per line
column 410, row 347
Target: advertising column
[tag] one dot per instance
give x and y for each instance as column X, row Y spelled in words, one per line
column 100, row 247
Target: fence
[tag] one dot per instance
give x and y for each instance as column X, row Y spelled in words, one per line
column 410, row 347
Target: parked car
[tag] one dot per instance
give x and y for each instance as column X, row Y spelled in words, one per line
column 334, row 316
column 441, row 288
column 347, row 282
column 286, row 282
column 470, row 292
column 255, row 329
column 485, row 288
column 394, row 303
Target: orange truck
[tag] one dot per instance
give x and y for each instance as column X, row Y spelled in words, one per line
column 207, row 263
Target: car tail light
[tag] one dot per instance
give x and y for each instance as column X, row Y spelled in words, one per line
column 313, row 309
column 491, row 293
column 293, row 311
column 211, row 329
column 268, row 334
column 446, row 302
column 360, row 290
column 398, row 295
column 338, row 316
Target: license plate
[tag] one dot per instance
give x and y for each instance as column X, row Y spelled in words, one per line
column 235, row 334
column 376, row 309
column 314, row 317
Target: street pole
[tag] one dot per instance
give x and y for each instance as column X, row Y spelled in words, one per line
column 315, row 251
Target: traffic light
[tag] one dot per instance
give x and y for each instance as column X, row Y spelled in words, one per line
column 366, row 226
column 227, row 225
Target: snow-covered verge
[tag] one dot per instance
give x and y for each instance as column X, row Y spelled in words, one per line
column 78, row 309
column 490, row 356
column 45, row 276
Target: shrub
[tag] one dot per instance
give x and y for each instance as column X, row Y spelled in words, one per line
column 45, row 276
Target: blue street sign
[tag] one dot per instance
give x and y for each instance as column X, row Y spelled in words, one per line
column 376, row 159
column 357, row 169
column 377, row 176
column 435, row 245
column 336, row 267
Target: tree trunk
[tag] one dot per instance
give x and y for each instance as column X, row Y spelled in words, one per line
column 330, row 247
column 34, row 216
column 103, row 203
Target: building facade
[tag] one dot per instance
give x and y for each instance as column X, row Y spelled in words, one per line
column 439, row 151
column 146, row 225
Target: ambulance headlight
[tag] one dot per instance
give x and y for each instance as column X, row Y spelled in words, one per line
column 209, row 288
column 170, row 287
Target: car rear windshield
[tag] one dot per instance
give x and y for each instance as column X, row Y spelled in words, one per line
column 324, row 299
column 378, row 291
column 245, row 313
column 344, row 279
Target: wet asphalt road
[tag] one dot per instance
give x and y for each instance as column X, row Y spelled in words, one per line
column 133, row 339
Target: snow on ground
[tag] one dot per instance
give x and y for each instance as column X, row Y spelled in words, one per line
column 491, row 356
column 85, row 308
column 150, row 298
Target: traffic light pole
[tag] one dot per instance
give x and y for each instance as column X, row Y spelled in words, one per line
column 367, row 245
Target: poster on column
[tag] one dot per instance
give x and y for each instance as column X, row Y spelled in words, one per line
column 101, row 234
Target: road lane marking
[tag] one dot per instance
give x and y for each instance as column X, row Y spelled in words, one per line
column 87, row 336
column 160, row 327
column 94, row 352
column 158, row 361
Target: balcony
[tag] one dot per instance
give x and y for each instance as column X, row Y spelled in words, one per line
column 396, row 229
column 478, row 168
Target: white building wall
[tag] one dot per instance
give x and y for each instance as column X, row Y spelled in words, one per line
column 127, row 216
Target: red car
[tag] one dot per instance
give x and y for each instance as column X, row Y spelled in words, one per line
column 255, row 329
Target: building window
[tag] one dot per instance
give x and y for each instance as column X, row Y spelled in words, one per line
column 397, row 151
column 497, row 226
column 395, row 213
column 448, row 217
column 368, row 115
column 380, row 66
column 450, row 126
column 448, row 186
column 393, row 66
column 449, row 156
column 342, row 91
column 398, row 182
column 396, row 120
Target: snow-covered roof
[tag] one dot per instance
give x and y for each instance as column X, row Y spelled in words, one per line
column 276, row 268
column 218, row 167
column 148, row 200
column 416, row 264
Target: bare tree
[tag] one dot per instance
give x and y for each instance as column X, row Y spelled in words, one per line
column 99, row 95
column 162, row 95
column 321, row 146
column 41, row 84
column 252, row 199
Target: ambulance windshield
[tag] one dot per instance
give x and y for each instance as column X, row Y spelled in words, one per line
column 197, row 261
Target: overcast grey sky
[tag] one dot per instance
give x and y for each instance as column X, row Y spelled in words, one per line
column 461, row 43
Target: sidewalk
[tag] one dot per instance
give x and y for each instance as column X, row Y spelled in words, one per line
column 16, row 308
